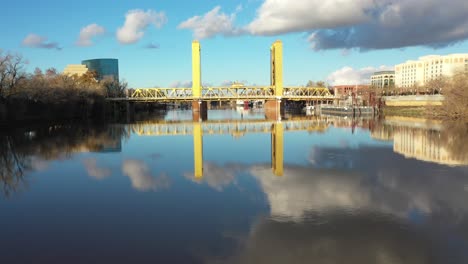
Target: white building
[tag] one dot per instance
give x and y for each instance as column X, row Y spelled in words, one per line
column 383, row 79
column 418, row 72
column 75, row 69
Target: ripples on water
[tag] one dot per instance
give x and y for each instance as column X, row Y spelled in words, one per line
column 302, row 190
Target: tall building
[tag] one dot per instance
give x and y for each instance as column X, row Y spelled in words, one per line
column 419, row 72
column 104, row 68
column 75, row 69
column 383, row 79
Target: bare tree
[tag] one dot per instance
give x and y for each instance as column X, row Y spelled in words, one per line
column 114, row 88
column 310, row 83
column 321, row 84
column 11, row 73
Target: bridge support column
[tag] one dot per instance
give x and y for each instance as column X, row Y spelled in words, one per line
column 274, row 109
column 277, row 149
column 199, row 111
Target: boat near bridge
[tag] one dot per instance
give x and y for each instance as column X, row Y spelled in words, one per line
column 346, row 110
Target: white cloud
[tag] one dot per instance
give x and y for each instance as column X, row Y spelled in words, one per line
column 283, row 16
column 35, row 41
column 141, row 178
column 136, row 21
column 94, row 171
column 212, row 23
column 88, row 32
column 217, row 177
column 366, row 24
column 350, row 76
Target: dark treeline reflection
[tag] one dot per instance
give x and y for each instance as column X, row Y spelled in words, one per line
column 28, row 149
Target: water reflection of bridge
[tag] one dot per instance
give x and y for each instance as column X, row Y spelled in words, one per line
column 236, row 128
column 222, row 127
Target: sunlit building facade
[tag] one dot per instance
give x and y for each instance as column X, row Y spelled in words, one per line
column 104, row 68
column 75, row 70
column 383, row 79
column 424, row 144
column 348, row 90
column 427, row 68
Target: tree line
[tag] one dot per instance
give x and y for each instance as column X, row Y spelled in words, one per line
column 49, row 86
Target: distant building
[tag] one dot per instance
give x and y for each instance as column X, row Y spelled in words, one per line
column 383, row 79
column 75, row 69
column 428, row 68
column 104, row 68
column 347, row 90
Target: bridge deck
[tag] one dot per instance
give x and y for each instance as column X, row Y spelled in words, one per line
column 227, row 93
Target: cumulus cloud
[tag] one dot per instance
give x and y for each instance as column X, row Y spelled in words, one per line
column 212, row 23
column 141, row 178
column 181, row 84
column 283, row 16
column 218, row 177
column 36, row 41
column 377, row 181
column 94, row 171
column 350, row 76
column 402, row 23
column 365, row 24
column 136, row 21
column 89, row 32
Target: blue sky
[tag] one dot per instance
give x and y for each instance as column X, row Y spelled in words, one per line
column 336, row 41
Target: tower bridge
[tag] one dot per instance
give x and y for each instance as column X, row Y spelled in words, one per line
column 274, row 94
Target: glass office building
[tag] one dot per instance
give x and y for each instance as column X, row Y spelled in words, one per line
column 103, row 67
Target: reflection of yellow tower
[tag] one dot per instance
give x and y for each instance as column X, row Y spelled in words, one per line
column 277, row 149
column 198, row 150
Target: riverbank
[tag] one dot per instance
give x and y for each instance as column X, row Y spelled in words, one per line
column 405, row 111
column 24, row 110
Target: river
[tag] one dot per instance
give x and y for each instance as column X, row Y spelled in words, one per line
column 235, row 188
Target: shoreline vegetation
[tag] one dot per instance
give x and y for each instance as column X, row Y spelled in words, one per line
column 50, row 95
column 453, row 108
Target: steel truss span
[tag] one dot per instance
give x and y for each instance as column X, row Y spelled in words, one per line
column 228, row 93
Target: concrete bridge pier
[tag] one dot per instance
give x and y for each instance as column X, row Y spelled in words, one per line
column 199, row 111
column 274, row 109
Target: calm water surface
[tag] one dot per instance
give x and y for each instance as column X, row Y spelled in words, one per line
column 235, row 189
